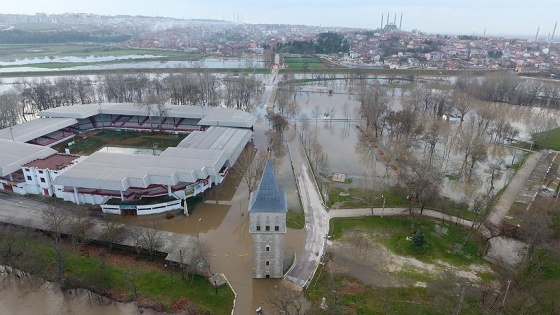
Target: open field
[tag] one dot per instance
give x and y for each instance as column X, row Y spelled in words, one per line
column 548, row 139
column 443, row 240
column 370, row 269
column 304, row 63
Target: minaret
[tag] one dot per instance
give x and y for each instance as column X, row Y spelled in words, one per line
column 267, row 225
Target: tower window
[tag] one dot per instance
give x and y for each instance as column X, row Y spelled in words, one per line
column 267, row 248
column 258, row 227
column 276, row 228
column 268, row 227
column 268, row 263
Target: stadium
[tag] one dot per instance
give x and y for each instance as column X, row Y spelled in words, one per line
column 39, row 156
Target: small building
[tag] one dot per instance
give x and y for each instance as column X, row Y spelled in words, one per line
column 267, row 225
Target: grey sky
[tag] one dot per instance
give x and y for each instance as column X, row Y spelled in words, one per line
column 434, row 16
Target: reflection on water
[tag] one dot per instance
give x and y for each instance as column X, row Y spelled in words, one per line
column 21, row 297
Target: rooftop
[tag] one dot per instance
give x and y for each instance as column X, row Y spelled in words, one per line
column 210, row 116
column 15, row 154
column 120, row 171
column 54, row 162
column 35, row 128
column 268, row 197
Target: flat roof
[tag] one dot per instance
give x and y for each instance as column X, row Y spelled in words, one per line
column 54, row 162
column 35, row 128
column 15, row 154
column 120, row 171
column 231, row 140
column 209, row 116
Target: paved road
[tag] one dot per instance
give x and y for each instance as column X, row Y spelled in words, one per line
column 316, row 217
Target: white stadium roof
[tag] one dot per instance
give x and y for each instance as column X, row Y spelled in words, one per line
column 231, row 140
column 201, row 154
column 35, row 128
column 120, row 171
column 210, row 116
column 16, row 154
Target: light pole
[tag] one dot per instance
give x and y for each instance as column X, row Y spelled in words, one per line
column 197, row 229
column 216, row 287
column 383, row 209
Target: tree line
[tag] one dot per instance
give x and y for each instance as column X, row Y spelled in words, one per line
column 183, row 88
column 325, row 43
column 508, row 88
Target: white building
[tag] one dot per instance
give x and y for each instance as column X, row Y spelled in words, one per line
column 119, row 182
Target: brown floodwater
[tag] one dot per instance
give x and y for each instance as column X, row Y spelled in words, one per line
column 222, row 221
column 39, row 297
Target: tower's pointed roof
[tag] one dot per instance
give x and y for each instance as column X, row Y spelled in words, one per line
column 268, row 197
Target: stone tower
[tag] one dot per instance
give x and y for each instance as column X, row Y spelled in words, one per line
column 267, row 225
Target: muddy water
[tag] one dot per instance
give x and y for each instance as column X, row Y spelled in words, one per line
column 18, row 297
column 221, row 220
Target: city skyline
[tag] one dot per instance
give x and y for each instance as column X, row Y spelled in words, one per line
column 500, row 17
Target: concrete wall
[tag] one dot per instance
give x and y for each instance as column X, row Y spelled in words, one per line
column 146, row 209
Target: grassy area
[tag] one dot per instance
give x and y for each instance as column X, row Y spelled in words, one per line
column 443, row 240
column 547, row 140
column 347, row 295
column 395, row 196
column 355, row 298
column 295, row 220
column 123, row 138
column 157, row 288
column 300, row 63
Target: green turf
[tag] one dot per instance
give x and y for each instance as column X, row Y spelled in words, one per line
column 548, row 139
column 124, row 138
column 295, row 220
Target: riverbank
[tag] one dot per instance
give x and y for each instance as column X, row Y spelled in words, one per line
column 118, row 275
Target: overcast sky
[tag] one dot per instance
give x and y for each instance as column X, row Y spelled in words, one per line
column 434, row 16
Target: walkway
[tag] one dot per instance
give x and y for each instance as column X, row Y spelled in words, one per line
column 316, row 217
column 517, row 183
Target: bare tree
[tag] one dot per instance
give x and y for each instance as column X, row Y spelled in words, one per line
column 481, row 206
column 423, row 182
column 285, row 299
column 463, row 103
column 194, row 258
column 113, row 229
column 369, row 191
column 452, row 293
column 374, row 106
column 249, row 167
column 147, row 237
column 57, row 222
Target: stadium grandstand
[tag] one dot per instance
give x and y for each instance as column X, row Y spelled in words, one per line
column 120, row 182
